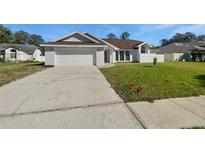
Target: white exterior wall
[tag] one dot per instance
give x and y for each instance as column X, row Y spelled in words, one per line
column 37, row 55
column 22, row 56
column 173, row 56
column 146, row 58
column 7, row 54
column 113, row 57
column 134, row 56
column 100, row 57
column 75, row 56
column 50, row 58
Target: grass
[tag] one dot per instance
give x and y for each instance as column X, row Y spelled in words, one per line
column 13, row 71
column 144, row 82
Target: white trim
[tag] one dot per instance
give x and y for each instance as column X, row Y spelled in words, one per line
column 145, row 44
column 116, row 48
column 74, row 46
column 79, row 34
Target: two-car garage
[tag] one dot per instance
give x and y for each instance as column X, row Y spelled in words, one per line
column 75, row 49
column 60, row 56
column 75, row 56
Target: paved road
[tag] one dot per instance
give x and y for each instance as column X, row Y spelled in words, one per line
column 64, row 97
column 80, row 97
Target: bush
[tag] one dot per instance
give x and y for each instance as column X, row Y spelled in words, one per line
column 154, row 61
column 2, row 60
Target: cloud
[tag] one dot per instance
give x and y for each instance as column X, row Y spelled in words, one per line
column 164, row 26
column 150, row 28
column 197, row 29
column 106, row 28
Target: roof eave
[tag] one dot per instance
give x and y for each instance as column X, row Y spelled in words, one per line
column 54, row 45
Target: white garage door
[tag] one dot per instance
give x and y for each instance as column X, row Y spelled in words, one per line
column 75, row 56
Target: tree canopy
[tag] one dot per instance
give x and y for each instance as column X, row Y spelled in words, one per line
column 125, row 36
column 20, row 37
column 182, row 37
column 6, row 35
column 35, row 39
column 111, row 36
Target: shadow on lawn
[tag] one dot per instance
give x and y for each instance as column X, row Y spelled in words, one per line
column 37, row 64
column 201, row 78
column 148, row 66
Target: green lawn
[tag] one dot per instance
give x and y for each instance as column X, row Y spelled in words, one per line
column 13, row 71
column 144, row 82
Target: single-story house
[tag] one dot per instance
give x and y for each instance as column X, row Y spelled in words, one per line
column 189, row 51
column 86, row 49
column 21, row 52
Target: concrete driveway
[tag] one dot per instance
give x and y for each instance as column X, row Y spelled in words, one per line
column 80, row 97
column 64, row 97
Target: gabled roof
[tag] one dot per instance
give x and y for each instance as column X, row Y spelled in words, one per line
column 124, row 44
column 78, row 33
column 22, row 47
column 76, row 39
column 4, row 46
column 100, row 40
column 93, row 37
column 28, row 48
column 179, row 47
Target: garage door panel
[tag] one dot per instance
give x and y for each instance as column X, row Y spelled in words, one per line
column 74, row 60
column 75, row 57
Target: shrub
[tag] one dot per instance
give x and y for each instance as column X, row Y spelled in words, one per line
column 154, row 61
column 2, row 60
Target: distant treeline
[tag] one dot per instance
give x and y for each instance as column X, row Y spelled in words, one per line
column 19, row 37
column 182, row 37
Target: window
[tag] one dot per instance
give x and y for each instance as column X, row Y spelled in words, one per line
column 127, row 55
column 121, row 55
column 116, row 56
column 13, row 54
column 143, row 49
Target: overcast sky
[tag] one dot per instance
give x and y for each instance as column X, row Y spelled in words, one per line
column 150, row 33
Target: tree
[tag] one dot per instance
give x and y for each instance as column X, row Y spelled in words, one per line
column 22, row 37
column 111, row 36
column 178, row 37
column 181, row 38
column 190, row 37
column 125, row 36
column 6, row 35
column 164, row 42
column 186, row 37
column 201, row 38
column 35, row 39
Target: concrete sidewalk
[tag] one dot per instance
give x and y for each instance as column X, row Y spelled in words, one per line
column 171, row 113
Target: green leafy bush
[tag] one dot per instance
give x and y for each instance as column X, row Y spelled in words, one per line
column 155, row 61
column 2, row 60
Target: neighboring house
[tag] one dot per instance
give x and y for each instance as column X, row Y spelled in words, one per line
column 86, row 49
column 20, row 52
column 189, row 51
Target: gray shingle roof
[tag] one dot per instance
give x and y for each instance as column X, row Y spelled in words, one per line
column 4, row 46
column 179, row 47
column 23, row 47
